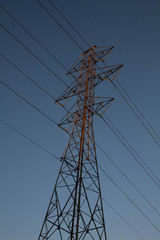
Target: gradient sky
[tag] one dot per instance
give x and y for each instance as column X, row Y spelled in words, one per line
column 27, row 173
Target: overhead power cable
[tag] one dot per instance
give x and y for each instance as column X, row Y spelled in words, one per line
column 140, row 164
column 41, row 63
column 103, row 62
column 25, row 100
column 37, row 41
column 124, row 219
column 135, row 113
column 29, row 78
column 97, row 144
column 121, row 190
column 48, row 68
column 133, row 110
column 59, row 159
column 145, row 164
column 125, row 176
column 32, row 54
column 56, row 125
column 138, row 110
column 34, row 38
column 60, row 25
column 78, row 33
column 101, row 150
column 99, row 167
column 29, row 139
column 44, row 47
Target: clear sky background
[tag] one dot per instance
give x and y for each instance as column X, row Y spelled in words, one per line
column 27, row 173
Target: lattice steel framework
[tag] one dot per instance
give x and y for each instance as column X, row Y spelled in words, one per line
column 75, row 210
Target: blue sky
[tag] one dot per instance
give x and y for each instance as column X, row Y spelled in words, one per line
column 28, row 174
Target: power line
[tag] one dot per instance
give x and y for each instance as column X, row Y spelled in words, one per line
column 54, row 99
column 59, row 159
column 145, row 164
column 131, row 153
column 121, row 190
column 132, row 107
column 27, row 49
column 60, row 25
column 29, row 78
column 2, row 83
column 140, row 112
column 103, row 62
column 34, row 38
column 48, row 68
column 78, row 33
column 135, row 114
column 42, row 89
column 31, row 53
column 72, row 39
column 37, row 41
column 13, row 65
column 125, row 176
column 46, row 10
column 56, row 125
column 38, row 60
column 29, row 139
column 33, row 56
column 25, row 100
column 124, row 219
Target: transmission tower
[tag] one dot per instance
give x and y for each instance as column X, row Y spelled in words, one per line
column 75, row 210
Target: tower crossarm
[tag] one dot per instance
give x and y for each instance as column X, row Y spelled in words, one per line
column 101, row 103
column 96, row 54
column 98, row 74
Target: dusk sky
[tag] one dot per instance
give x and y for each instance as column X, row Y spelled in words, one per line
column 27, row 173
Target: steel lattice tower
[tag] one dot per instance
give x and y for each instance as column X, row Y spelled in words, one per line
column 75, row 210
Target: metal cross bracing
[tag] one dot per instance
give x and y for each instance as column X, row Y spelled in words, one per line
column 75, row 210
